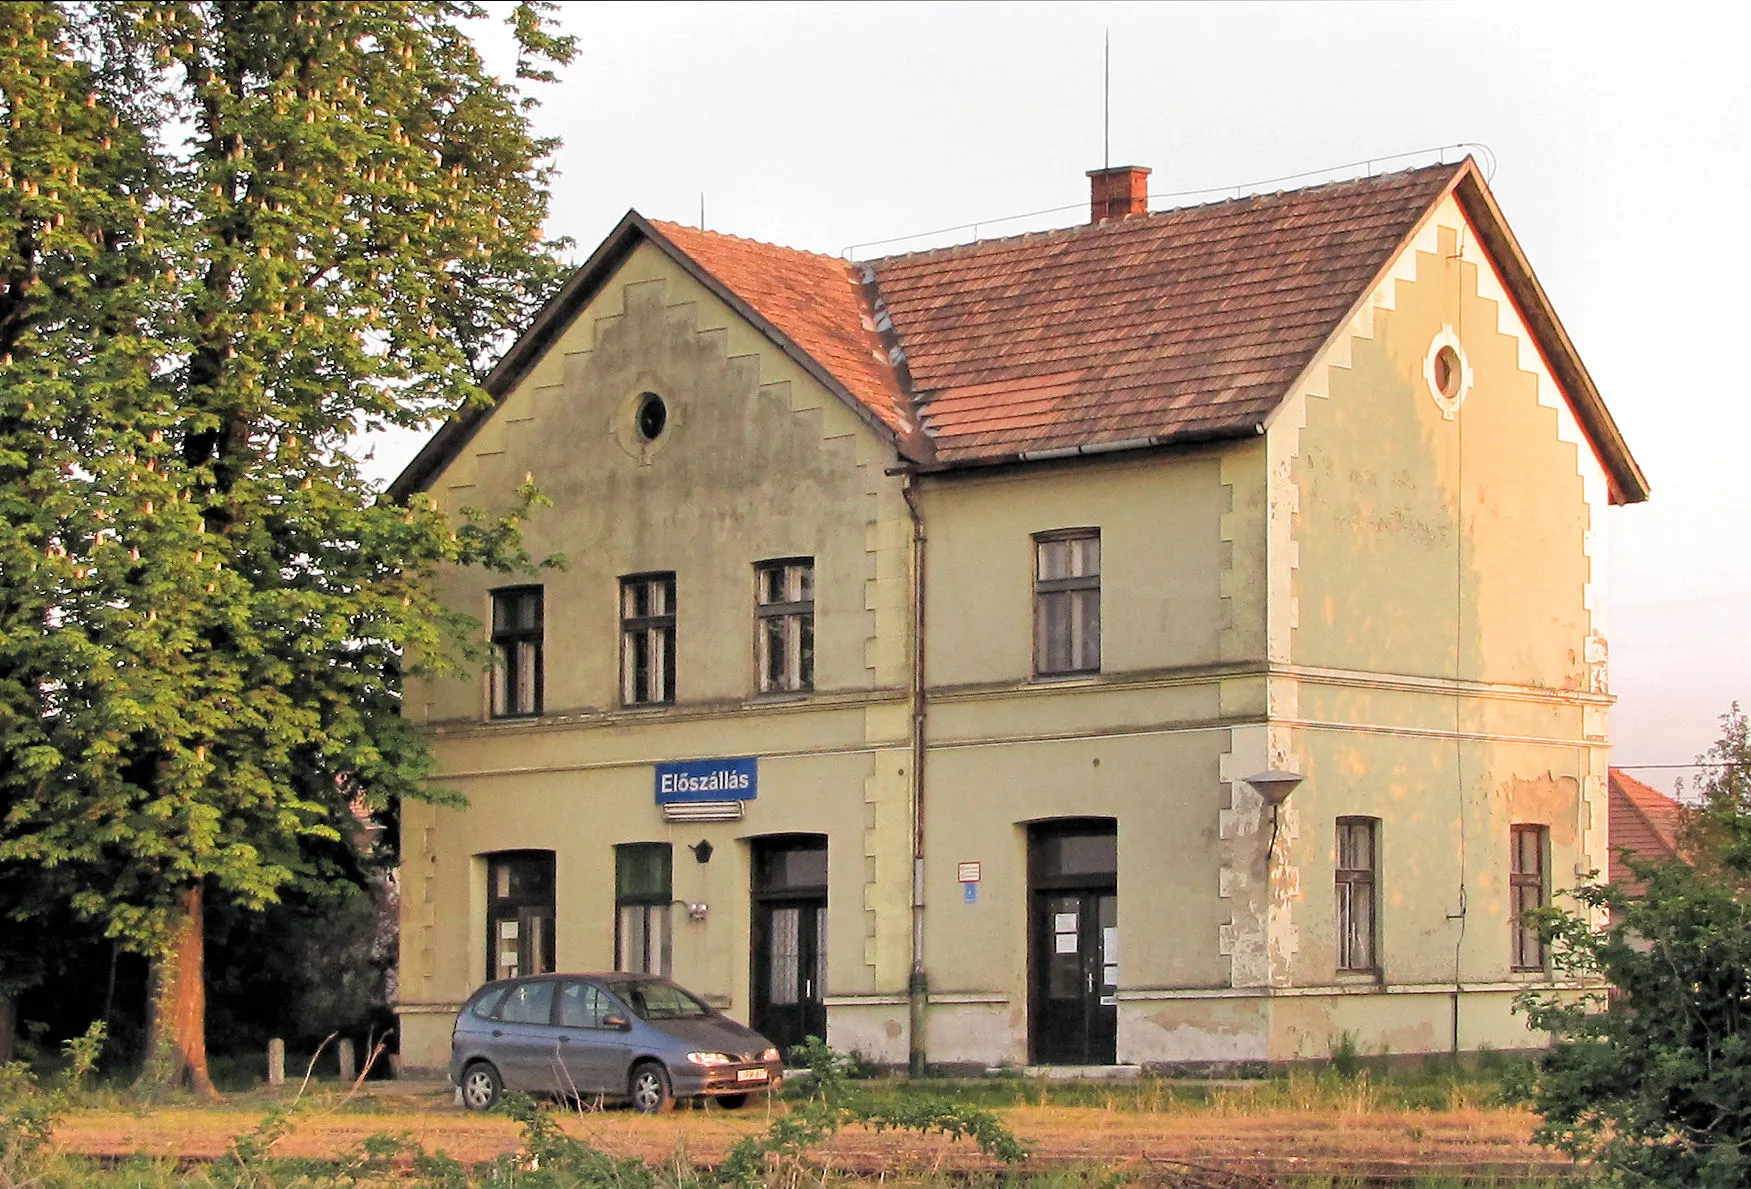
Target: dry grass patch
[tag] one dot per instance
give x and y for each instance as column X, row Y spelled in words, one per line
column 1302, row 1134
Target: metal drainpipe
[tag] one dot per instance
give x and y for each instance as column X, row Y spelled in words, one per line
column 918, row 984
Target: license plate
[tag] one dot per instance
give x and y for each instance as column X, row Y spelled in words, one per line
column 750, row 1075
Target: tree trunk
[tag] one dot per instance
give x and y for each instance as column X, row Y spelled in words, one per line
column 8, row 1029
column 176, row 1027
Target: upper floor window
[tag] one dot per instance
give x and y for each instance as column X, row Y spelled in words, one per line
column 784, row 625
column 647, row 639
column 1067, row 602
column 1528, row 891
column 1356, row 893
column 643, row 877
column 516, row 641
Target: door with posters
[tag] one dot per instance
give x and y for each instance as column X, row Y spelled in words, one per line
column 1074, row 943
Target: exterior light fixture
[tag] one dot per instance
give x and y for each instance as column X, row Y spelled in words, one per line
column 701, row 850
column 1275, row 788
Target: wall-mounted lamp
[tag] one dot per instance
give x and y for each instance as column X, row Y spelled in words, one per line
column 702, row 851
column 696, row 911
column 1275, row 788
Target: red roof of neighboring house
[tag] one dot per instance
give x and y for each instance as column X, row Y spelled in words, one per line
column 1644, row 820
column 1181, row 326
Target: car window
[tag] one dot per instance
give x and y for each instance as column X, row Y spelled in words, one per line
column 528, row 1003
column 582, row 1005
column 653, row 1000
column 488, row 1002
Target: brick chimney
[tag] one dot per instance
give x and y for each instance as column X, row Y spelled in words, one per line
column 1118, row 192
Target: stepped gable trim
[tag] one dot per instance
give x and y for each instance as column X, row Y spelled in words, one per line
column 1623, row 476
column 805, row 330
column 553, row 318
column 1627, row 483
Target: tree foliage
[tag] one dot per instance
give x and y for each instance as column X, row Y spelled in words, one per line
column 1653, row 1081
column 233, row 235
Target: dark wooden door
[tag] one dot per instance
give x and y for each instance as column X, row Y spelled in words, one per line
column 1073, row 941
column 790, row 971
column 1076, row 974
column 789, row 958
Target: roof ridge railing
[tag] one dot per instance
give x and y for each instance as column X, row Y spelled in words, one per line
column 1369, row 166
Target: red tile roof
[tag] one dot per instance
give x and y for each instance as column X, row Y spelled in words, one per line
column 815, row 301
column 1175, row 327
column 1644, row 820
column 1188, row 323
column 1185, row 324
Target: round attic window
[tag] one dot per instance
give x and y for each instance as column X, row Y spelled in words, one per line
column 1448, row 375
column 652, row 416
column 1447, row 372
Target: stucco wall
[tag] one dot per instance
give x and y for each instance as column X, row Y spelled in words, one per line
column 757, row 461
column 1140, row 742
column 1439, row 628
column 1163, row 564
column 1401, row 605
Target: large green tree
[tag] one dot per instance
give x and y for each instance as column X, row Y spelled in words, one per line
column 232, row 236
column 1652, row 1083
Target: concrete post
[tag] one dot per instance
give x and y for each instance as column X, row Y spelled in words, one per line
column 276, row 1062
column 345, row 1049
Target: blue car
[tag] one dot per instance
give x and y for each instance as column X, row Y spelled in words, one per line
column 614, row 1036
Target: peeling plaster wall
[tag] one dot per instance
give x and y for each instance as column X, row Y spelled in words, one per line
column 1166, row 1030
column 873, row 1026
column 1437, row 632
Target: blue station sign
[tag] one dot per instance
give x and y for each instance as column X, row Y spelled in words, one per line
column 736, row 779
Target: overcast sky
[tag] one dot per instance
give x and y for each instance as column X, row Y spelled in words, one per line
column 1619, row 137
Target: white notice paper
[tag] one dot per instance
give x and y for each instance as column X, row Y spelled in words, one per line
column 1111, row 977
column 1109, row 943
column 1064, row 922
column 1066, row 943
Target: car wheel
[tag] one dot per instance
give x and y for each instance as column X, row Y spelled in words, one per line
column 732, row 1102
column 650, row 1092
column 481, row 1086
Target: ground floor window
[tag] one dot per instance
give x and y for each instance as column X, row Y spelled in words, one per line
column 1526, row 880
column 643, row 893
column 519, row 913
column 1356, row 893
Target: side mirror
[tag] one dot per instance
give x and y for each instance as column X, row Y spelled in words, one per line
column 619, row 1022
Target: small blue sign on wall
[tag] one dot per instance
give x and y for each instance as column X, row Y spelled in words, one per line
column 736, row 779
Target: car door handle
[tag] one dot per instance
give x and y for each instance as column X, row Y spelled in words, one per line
column 565, row 1040
column 497, row 1033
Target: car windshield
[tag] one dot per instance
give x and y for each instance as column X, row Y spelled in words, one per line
column 652, row 1000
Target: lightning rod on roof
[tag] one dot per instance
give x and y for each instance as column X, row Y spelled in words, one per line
column 1106, row 116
